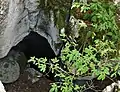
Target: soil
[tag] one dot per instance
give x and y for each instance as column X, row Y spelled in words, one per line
column 43, row 85
column 25, row 85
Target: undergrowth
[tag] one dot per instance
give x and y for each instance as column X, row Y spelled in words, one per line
column 94, row 52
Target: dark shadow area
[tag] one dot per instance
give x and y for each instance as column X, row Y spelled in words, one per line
column 35, row 45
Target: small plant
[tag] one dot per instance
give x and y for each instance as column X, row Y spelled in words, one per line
column 95, row 52
column 95, row 61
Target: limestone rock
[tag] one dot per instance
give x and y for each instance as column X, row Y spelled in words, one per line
column 34, row 75
column 18, row 18
column 2, row 89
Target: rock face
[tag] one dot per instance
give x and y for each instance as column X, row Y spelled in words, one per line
column 18, row 18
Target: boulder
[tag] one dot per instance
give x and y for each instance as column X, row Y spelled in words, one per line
column 11, row 65
column 33, row 75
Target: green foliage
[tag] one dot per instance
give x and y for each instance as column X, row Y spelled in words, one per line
column 94, row 61
column 96, row 51
column 41, row 63
column 103, row 17
column 99, row 17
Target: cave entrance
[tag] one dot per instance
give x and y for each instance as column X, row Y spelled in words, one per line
column 35, row 45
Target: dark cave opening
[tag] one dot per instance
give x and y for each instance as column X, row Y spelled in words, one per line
column 35, row 45
column 38, row 46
